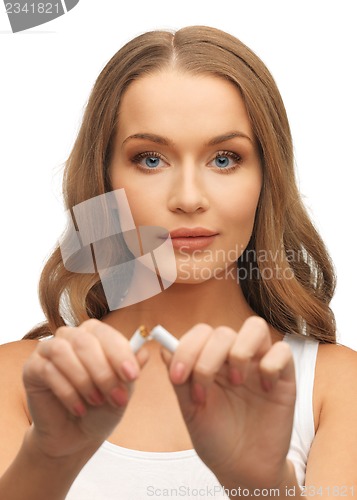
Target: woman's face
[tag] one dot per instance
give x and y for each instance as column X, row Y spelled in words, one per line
column 187, row 158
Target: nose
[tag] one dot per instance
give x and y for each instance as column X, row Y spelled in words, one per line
column 188, row 193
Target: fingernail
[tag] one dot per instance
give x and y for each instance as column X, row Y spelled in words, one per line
column 79, row 409
column 119, row 396
column 235, row 376
column 96, row 398
column 267, row 385
column 130, row 370
column 178, row 371
column 198, row 393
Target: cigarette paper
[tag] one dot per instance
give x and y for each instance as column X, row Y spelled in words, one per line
column 140, row 336
column 164, row 337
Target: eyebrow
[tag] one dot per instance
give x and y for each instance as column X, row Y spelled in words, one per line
column 166, row 142
column 227, row 137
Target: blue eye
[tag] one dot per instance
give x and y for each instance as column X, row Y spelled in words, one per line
column 221, row 161
column 152, row 161
column 149, row 161
column 227, row 161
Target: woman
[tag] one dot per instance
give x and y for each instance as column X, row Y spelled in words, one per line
column 256, row 399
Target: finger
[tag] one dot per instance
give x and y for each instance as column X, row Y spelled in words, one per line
column 252, row 342
column 89, row 349
column 116, row 348
column 142, row 357
column 277, row 364
column 42, row 372
column 60, row 353
column 183, row 390
column 166, row 357
column 213, row 355
column 187, row 352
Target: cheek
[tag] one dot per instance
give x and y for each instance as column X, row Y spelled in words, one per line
column 243, row 202
column 143, row 204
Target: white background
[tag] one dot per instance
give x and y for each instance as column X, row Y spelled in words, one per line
column 46, row 77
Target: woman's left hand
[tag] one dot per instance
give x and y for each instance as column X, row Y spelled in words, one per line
column 237, row 395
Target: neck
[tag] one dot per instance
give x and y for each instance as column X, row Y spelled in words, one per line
column 182, row 305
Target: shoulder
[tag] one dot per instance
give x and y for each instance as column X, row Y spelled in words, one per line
column 12, row 358
column 336, row 363
column 14, row 414
column 14, row 354
column 333, row 454
column 335, row 376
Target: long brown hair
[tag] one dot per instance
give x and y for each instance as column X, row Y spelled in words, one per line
column 295, row 297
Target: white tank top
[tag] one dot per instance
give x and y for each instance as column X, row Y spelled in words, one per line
column 114, row 472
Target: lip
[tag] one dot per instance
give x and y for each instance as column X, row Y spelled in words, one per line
column 189, row 239
column 193, row 232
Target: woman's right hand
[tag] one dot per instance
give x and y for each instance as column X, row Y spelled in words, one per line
column 78, row 384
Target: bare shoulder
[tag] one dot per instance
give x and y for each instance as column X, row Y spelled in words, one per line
column 17, row 351
column 12, row 358
column 336, row 365
column 335, row 441
column 14, row 415
column 336, row 353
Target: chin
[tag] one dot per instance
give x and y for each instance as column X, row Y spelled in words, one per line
column 190, row 280
column 193, row 275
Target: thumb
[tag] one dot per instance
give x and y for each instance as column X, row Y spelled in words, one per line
column 142, row 357
column 166, row 356
column 183, row 391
